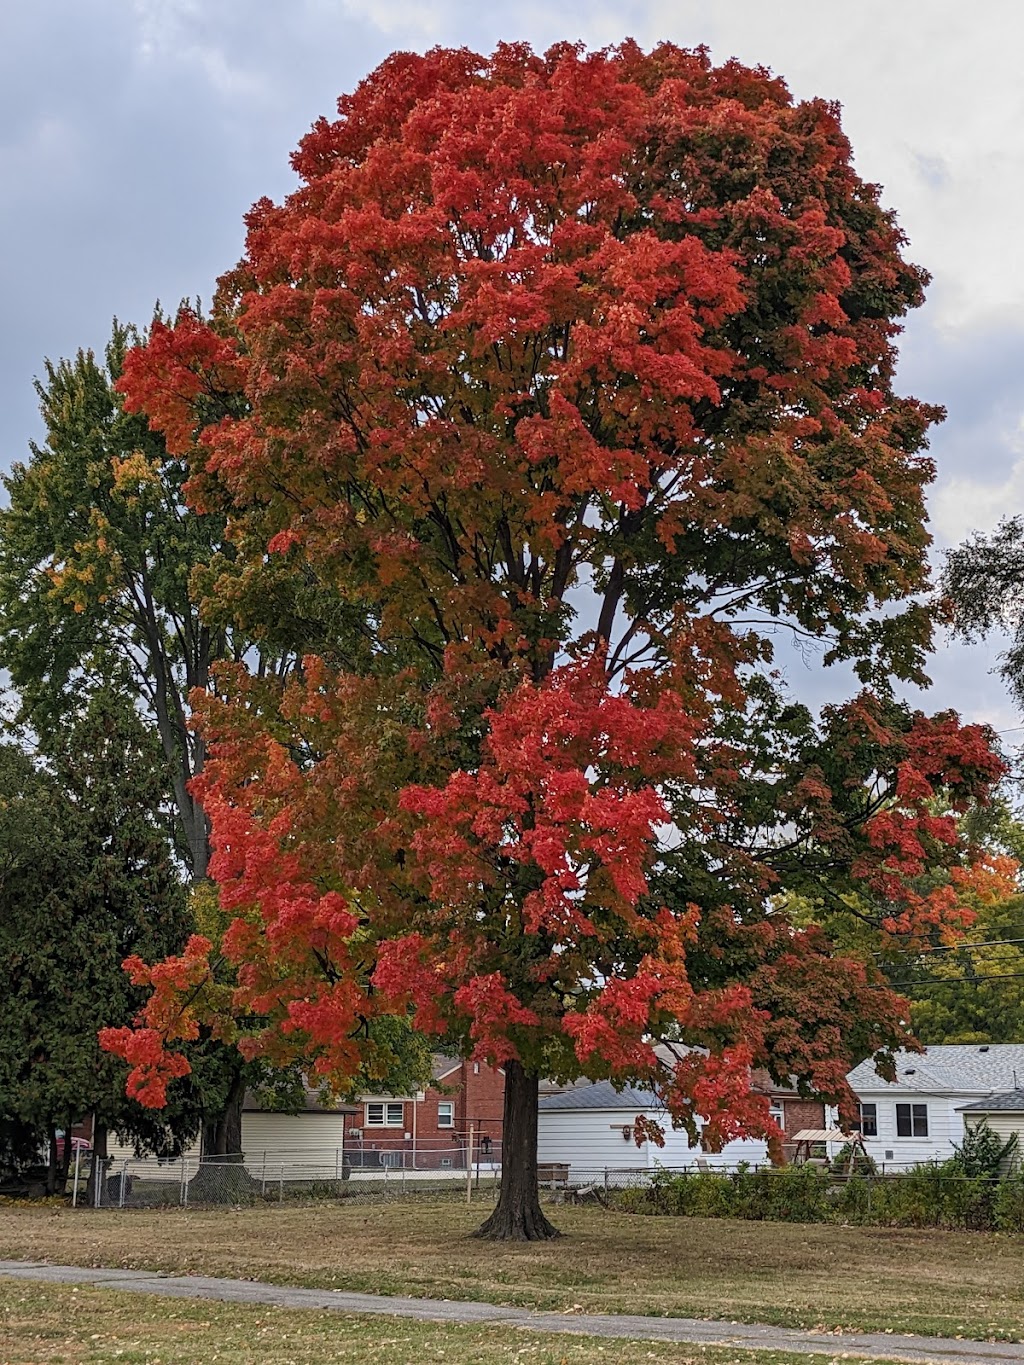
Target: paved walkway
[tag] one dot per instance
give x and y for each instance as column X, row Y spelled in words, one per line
column 694, row 1331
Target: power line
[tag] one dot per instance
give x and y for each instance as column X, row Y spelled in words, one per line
column 943, row 947
column 960, row 947
column 957, row 980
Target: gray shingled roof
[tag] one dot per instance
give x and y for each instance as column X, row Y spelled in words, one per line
column 441, row 1064
column 1010, row 1102
column 598, row 1095
column 252, row 1104
column 961, row 1068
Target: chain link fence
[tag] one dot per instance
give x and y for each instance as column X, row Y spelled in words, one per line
column 921, row 1196
column 369, row 1174
column 276, row 1177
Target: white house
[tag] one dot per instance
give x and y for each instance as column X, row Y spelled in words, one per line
column 1004, row 1114
column 920, row 1116
column 589, row 1127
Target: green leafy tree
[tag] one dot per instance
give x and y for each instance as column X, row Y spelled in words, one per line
column 984, row 584
column 89, row 877
column 96, row 552
column 973, row 992
column 967, row 991
column 983, row 1152
column 106, row 576
column 97, row 556
column 105, row 572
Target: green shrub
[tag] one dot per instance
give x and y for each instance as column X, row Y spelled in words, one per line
column 1008, row 1204
column 983, row 1152
column 861, row 1162
column 789, row 1194
column 852, row 1200
column 932, row 1194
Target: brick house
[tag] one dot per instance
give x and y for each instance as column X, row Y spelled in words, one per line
column 430, row 1130
column 792, row 1112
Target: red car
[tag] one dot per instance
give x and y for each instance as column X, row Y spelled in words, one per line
column 78, row 1144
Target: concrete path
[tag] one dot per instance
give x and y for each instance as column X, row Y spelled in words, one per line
column 694, row 1331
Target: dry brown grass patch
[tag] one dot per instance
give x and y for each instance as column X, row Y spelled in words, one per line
column 951, row 1284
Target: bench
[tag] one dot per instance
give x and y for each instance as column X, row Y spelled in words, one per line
column 553, row 1174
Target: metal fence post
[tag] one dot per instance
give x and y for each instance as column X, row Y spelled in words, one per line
column 469, row 1167
column 78, row 1162
column 124, row 1177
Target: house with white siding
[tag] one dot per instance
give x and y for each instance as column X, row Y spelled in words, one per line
column 1004, row 1114
column 920, row 1115
column 309, row 1145
column 589, row 1127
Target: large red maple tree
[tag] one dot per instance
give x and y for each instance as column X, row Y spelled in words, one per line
column 570, row 378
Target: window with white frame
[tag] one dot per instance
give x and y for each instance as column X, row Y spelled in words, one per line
column 446, row 1113
column 911, row 1120
column 385, row 1114
column 869, row 1120
column 777, row 1113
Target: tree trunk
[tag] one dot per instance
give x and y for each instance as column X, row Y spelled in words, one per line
column 222, row 1177
column 198, row 832
column 51, row 1162
column 518, row 1216
column 65, row 1158
column 98, row 1165
column 222, row 1135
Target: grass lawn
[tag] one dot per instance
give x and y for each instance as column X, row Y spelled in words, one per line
column 798, row 1275
column 44, row 1324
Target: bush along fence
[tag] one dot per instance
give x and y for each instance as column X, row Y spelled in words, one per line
column 981, row 1187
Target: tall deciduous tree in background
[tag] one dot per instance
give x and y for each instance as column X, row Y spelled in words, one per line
column 103, row 576
column 983, row 580
column 572, row 375
column 973, row 991
column 97, row 549
column 100, row 562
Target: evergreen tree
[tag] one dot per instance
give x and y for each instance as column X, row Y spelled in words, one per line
column 89, row 878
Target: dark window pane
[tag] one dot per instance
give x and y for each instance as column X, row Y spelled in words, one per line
column 904, row 1127
column 920, row 1120
column 869, row 1120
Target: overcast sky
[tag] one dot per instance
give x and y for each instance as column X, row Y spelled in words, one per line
column 135, row 133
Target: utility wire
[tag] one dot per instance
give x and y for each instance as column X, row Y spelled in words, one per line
column 959, row 947
column 919, row 954
column 956, row 980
